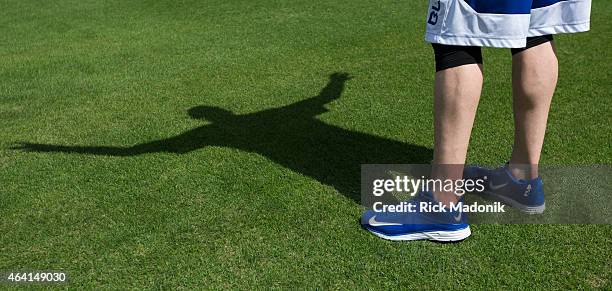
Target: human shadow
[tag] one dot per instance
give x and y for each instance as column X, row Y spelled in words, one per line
column 291, row 136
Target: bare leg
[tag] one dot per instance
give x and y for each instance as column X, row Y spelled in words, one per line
column 456, row 96
column 534, row 78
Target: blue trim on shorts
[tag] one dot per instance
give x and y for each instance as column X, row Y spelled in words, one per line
column 544, row 3
column 509, row 6
column 501, row 6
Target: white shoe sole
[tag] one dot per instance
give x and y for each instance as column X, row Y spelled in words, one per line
column 439, row 235
column 522, row 207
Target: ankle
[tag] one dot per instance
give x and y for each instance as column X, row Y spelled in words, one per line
column 446, row 198
column 523, row 171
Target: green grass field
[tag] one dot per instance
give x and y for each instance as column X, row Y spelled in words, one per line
column 190, row 144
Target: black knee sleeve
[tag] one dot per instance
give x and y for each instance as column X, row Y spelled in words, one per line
column 450, row 56
column 533, row 41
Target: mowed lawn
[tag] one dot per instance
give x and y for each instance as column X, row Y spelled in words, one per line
column 190, row 144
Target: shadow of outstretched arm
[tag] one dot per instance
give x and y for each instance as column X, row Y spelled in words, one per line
column 183, row 143
column 316, row 105
column 91, row 150
column 333, row 89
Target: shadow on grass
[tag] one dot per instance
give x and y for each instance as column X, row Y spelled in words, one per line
column 290, row 135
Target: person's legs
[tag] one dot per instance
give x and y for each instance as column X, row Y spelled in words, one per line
column 534, row 78
column 457, row 91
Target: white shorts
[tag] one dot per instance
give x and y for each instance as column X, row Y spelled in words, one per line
column 503, row 23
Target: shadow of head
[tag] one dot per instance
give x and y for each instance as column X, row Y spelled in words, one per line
column 210, row 113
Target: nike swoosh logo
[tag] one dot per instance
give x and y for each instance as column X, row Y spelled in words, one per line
column 495, row 187
column 373, row 222
column 457, row 217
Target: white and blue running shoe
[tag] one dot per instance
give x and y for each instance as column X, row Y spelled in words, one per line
column 524, row 195
column 443, row 226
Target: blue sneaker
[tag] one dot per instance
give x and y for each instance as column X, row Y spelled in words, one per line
column 524, row 195
column 418, row 225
